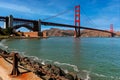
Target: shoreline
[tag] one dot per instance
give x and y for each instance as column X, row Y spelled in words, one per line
column 37, row 70
column 18, row 37
column 6, row 68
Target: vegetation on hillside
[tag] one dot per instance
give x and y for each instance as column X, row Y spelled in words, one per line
column 83, row 33
column 7, row 32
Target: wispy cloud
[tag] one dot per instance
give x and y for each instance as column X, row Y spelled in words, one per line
column 25, row 9
column 100, row 14
column 44, row 11
column 20, row 8
column 110, row 14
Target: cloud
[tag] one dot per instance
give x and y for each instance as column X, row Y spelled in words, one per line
column 110, row 14
column 15, row 7
column 25, row 9
column 42, row 11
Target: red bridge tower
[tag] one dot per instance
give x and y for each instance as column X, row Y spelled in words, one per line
column 77, row 21
column 111, row 30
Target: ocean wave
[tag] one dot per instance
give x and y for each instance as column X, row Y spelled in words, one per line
column 99, row 75
column 105, row 76
column 44, row 61
column 87, row 77
column 2, row 45
column 48, row 61
column 85, row 74
column 75, row 68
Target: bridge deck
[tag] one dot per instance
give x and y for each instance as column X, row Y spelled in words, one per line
column 54, row 24
column 72, row 26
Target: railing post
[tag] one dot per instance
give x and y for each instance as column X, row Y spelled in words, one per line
column 15, row 71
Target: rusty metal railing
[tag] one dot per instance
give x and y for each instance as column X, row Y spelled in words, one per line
column 15, row 56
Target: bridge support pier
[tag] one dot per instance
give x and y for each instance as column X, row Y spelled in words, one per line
column 111, row 30
column 37, row 26
column 10, row 21
column 6, row 23
column 112, row 34
column 77, row 33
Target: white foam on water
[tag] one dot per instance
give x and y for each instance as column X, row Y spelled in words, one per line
column 65, row 70
column 43, row 63
column 87, row 76
column 99, row 75
column 75, row 68
column 46, row 61
column 112, row 77
column 2, row 45
column 34, row 58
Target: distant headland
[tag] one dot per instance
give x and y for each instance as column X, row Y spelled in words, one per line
column 53, row 32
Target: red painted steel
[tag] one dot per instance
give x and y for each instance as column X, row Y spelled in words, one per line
column 111, row 28
column 77, row 21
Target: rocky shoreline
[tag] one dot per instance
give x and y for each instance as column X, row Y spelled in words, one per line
column 43, row 71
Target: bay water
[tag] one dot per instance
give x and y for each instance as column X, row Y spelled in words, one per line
column 90, row 58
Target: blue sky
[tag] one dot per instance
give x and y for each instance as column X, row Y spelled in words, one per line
column 94, row 13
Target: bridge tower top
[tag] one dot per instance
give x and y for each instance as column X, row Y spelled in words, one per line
column 111, row 28
column 77, row 15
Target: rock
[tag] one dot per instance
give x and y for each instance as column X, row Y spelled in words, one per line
column 74, row 75
column 1, row 50
column 58, row 71
column 52, row 69
column 51, row 79
column 47, row 71
column 69, row 76
column 39, row 73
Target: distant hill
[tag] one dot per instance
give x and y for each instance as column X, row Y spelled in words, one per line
column 84, row 33
column 59, row 32
column 118, row 33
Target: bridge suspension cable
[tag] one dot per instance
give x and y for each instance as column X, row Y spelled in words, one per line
column 61, row 13
column 90, row 21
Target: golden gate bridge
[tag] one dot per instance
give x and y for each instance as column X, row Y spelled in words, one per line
column 35, row 25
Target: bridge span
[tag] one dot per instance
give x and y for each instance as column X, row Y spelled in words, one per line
column 35, row 25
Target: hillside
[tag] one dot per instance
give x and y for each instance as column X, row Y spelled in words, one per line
column 84, row 33
column 59, row 32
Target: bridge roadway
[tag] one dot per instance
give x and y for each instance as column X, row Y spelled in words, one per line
column 54, row 24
